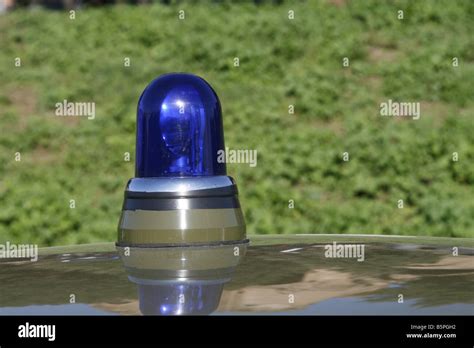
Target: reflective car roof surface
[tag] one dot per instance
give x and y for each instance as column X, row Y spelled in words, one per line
column 287, row 275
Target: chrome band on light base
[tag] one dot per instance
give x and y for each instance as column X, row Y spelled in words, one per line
column 169, row 221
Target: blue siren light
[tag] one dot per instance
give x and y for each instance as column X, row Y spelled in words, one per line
column 179, row 128
column 181, row 214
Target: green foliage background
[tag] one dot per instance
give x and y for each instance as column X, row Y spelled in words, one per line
column 282, row 62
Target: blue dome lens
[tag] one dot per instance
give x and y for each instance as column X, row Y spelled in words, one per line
column 179, row 128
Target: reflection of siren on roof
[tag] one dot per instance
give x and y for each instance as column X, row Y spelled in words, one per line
column 179, row 128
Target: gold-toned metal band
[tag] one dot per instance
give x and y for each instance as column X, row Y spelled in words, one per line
column 181, row 226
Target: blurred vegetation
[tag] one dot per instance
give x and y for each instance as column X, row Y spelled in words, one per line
column 282, row 62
